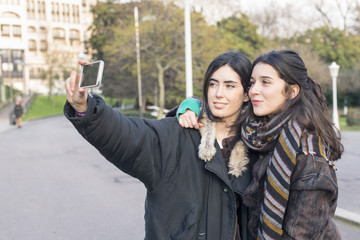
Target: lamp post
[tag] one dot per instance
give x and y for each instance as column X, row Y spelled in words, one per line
column 136, row 17
column 334, row 70
column 10, row 69
column 3, row 94
column 188, row 55
column 21, row 63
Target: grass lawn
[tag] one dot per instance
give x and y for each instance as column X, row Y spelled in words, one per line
column 43, row 107
column 345, row 127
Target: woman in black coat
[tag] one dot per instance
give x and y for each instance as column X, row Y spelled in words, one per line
column 18, row 112
column 194, row 179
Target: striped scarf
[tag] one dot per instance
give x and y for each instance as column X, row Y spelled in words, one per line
column 287, row 139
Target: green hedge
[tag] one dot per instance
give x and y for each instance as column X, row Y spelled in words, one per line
column 353, row 117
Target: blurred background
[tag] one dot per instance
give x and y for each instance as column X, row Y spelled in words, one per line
column 55, row 185
column 41, row 41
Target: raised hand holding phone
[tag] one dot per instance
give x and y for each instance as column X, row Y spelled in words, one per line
column 91, row 74
column 76, row 96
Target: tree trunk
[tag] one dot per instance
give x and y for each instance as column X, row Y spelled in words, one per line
column 156, row 94
column 161, row 83
column 50, row 76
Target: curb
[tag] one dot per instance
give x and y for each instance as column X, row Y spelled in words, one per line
column 347, row 216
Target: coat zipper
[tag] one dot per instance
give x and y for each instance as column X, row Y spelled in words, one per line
column 235, row 226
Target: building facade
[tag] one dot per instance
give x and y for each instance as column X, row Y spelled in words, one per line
column 40, row 41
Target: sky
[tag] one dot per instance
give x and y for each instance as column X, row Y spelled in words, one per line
column 302, row 12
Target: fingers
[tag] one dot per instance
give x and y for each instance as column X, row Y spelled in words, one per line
column 189, row 120
column 76, row 96
column 68, row 88
column 83, row 62
column 71, row 83
column 194, row 120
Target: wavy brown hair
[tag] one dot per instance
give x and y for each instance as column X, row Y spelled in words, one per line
column 309, row 107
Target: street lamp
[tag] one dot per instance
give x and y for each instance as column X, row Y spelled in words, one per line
column 3, row 97
column 334, row 70
column 188, row 55
column 20, row 63
column 136, row 17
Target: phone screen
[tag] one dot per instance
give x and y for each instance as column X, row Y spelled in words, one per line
column 91, row 74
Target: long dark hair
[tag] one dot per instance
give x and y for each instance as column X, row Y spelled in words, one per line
column 309, row 107
column 242, row 66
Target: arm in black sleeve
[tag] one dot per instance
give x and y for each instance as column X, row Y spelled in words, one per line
column 139, row 147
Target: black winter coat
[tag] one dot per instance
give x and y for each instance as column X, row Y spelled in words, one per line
column 18, row 110
column 187, row 198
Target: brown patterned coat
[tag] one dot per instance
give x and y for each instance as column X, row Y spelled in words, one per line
column 312, row 199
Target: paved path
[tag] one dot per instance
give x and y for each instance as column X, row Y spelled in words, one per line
column 349, row 178
column 4, row 117
column 54, row 185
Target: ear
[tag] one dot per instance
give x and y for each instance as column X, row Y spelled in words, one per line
column 246, row 98
column 295, row 89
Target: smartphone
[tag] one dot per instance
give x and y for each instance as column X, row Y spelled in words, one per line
column 91, row 74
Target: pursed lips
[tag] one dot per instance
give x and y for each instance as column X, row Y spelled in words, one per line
column 256, row 101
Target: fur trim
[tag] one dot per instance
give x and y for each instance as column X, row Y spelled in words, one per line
column 238, row 157
column 207, row 148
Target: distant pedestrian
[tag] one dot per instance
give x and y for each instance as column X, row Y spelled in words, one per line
column 18, row 112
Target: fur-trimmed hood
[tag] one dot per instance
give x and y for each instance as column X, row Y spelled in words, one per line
column 238, row 157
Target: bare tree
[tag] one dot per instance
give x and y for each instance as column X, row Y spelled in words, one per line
column 58, row 65
column 267, row 21
column 356, row 26
column 345, row 9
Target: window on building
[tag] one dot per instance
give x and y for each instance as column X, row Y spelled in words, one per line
column 74, row 37
column 41, row 10
column 35, row 73
column 18, row 67
column 58, row 33
column 17, row 31
column 76, row 14
column 17, row 54
column 43, row 30
column 7, row 67
column 5, row 30
column 30, row 9
column 31, row 29
column 32, row 45
column 43, row 45
column 74, row 34
column 55, row 11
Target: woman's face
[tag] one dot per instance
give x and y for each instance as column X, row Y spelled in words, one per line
column 225, row 94
column 267, row 91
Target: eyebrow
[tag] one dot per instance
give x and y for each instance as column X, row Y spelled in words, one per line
column 266, row 77
column 226, row 81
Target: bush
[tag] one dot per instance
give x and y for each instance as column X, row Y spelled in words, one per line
column 353, row 117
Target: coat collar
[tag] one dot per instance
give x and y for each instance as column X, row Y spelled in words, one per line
column 238, row 157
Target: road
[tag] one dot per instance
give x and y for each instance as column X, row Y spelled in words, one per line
column 54, row 185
